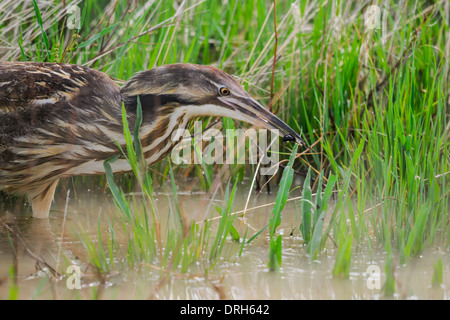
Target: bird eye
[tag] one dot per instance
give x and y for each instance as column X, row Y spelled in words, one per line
column 224, row 91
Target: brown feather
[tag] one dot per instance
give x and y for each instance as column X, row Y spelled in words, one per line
column 42, row 107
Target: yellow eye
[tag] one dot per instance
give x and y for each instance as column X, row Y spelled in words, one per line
column 224, row 91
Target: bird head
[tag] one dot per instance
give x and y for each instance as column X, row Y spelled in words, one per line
column 201, row 91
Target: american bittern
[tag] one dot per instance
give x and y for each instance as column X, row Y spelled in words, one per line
column 60, row 120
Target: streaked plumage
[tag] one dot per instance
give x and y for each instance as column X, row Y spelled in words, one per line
column 60, row 120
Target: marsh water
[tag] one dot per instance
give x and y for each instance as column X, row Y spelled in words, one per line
column 42, row 245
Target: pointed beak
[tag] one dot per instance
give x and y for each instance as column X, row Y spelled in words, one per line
column 251, row 111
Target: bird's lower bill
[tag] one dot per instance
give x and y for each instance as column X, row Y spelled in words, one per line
column 252, row 112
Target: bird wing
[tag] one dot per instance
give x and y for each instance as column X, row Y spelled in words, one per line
column 30, row 93
column 38, row 96
column 26, row 83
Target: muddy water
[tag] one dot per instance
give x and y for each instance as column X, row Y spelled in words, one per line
column 43, row 245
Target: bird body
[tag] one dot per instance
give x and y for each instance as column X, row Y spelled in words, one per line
column 61, row 120
column 52, row 125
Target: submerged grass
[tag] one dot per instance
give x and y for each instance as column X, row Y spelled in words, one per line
column 372, row 103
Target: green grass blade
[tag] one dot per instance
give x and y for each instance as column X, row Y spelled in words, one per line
column 306, row 209
column 283, row 193
column 41, row 26
column 98, row 36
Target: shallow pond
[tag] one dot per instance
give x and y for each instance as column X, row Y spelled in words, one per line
column 41, row 245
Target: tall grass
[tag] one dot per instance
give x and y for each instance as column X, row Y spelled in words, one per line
column 371, row 103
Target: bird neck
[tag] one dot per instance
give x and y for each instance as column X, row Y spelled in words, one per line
column 161, row 135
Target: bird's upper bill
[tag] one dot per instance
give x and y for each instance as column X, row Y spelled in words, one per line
column 251, row 111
